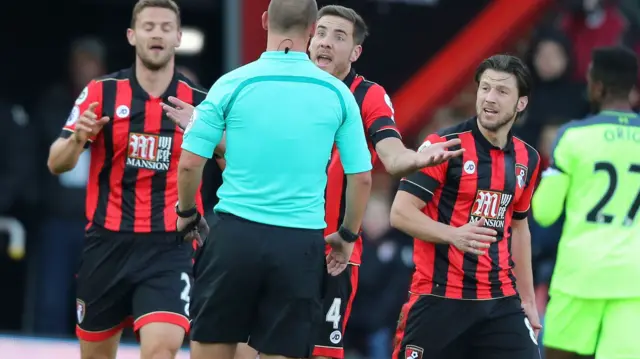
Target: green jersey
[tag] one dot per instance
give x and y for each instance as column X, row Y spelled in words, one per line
column 594, row 177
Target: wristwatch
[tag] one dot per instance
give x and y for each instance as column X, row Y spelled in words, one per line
column 347, row 235
column 186, row 213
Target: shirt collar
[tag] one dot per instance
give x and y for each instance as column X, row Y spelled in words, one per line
column 351, row 76
column 280, row 55
column 139, row 92
column 484, row 143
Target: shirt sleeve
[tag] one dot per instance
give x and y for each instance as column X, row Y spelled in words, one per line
column 560, row 152
column 207, row 124
column 351, row 141
column 521, row 207
column 549, row 201
column 377, row 114
column 90, row 94
column 424, row 183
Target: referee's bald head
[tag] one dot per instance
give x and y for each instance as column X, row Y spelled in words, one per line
column 292, row 15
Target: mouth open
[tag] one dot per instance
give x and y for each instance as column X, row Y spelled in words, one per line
column 490, row 111
column 157, row 47
column 323, row 60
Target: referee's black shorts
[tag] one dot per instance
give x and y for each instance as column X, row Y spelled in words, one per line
column 259, row 283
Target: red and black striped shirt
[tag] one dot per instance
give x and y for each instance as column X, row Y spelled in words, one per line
column 377, row 116
column 485, row 181
column 133, row 174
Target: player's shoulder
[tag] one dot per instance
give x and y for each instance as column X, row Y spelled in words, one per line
column 191, row 84
column 450, row 132
column 120, row 75
column 579, row 126
column 532, row 152
column 371, row 89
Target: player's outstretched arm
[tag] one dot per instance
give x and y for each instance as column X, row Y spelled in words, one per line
column 401, row 161
column 407, row 216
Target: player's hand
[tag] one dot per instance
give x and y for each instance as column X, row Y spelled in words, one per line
column 88, row 124
column 473, row 237
column 180, row 113
column 437, row 153
column 198, row 233
column 531, row 312
column 338, row 258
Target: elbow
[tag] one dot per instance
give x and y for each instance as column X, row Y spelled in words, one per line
column 362, row 179
column 396, row 216
column 56, row 168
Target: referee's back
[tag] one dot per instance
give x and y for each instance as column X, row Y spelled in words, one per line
column 282, row 115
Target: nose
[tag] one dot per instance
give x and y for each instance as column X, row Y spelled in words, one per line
column 492, row 96
column 325, row 43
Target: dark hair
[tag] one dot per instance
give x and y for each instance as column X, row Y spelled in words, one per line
column 143, row 4
column 360, row 30
column 616, row 68
column 288, row 15
column 511, row 65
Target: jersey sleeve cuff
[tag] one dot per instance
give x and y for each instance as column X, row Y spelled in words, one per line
column 352, row 169
column 420, row 185
column 520, row 215
column 382, row 128
column 198, row 146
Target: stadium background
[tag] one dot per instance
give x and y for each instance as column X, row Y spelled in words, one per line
column 422, row 51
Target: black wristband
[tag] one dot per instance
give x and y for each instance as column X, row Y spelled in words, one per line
column 187, row 213
column 347, row 235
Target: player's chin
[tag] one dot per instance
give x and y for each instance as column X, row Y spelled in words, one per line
column 156, row 62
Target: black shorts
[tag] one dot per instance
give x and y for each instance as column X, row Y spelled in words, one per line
column 338, row 299
column 259, row 284
column 441, row 328
column 129, row 279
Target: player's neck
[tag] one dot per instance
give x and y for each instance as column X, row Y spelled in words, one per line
column 621, row 105
column 154, row 82
column 343, row 75
column 498, row 138
column 278, row 42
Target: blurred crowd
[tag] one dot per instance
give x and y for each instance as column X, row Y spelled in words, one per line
column 557, row 51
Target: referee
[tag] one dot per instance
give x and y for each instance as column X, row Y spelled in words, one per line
column 260, row 276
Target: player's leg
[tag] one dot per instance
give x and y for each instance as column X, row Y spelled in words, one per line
column 339, row 294
column 620, row 332
column 228, row 275
column 291, row 307
column 161, row 296
column 244, row 351
column 572, row 326
column 433, row 327
column 505, row 334
column 103, row 296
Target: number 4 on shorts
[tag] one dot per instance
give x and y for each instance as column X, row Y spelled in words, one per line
column 333, row 314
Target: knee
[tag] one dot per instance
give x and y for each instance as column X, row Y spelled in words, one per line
column 160, row 351
column 96, row 356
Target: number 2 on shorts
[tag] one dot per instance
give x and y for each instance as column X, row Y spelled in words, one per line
column 185, row 292
column 333, row 314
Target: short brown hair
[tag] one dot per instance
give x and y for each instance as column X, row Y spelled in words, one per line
column 288, row 15
column 511, row 65
column 360, row 31
column 143, row 4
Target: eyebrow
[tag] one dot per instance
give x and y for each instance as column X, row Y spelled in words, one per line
column 322, row 27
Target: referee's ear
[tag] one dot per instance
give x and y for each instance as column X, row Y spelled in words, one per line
column 265, row 20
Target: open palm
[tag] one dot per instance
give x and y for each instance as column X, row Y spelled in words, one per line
column 180, row 113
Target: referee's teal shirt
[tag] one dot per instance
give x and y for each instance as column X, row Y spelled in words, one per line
column 282, row 115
